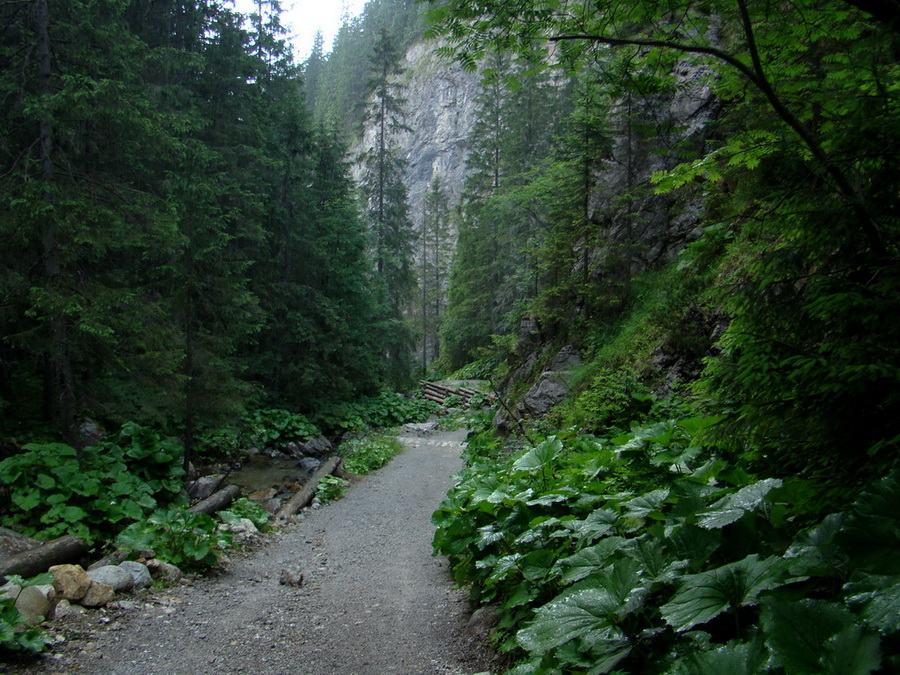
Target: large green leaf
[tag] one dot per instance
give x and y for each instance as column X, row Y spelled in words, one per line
column 815, row 636
column 539, row 456
column 878, row 597
column 731, row 508
column 851, row 652
column 871, row 533
column 734, row 658
column 591, row 559
column 702, row 597
column 570, row 616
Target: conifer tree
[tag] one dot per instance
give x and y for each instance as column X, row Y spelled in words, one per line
column 387, row 208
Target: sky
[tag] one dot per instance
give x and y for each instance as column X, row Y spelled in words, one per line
column 303, row 18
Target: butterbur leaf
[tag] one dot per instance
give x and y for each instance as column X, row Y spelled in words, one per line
column 702, row 597
column 539, row 456
column 734, row 658
column 537, row 564
column 568, row 617
column 853, row 651
column 878, row 598
column 590, row 560
column 732, row 508
column 797, row 631
column 657, row 565
column 646, row 504
column 871, row 533
column 599, row 523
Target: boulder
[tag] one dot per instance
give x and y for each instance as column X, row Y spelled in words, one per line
column 163, row 571
column 70, row 582
column 112, row 575
column 204, row 486
column 318, row 446
column 34, row 602
column 140, row 575
column 98, row 595
column 553, row 384
column 482, row 622
column 309, row 464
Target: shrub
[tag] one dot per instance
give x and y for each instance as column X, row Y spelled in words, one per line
column 188, row 540
column 331, row 488
column 364, row 455
column 54, row 489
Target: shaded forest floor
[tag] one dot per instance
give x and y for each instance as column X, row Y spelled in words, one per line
column 373, row 599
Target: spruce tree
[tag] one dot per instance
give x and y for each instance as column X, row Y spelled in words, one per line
column 387, row 208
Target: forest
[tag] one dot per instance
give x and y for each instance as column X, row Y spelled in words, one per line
column 698, row 198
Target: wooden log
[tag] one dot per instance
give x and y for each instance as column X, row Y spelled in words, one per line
column 217, row 500
column 306, row 493
column 37, row 560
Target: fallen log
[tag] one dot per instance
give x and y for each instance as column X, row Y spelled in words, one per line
column 306, row 493
column 37, row 560
column 217, row 500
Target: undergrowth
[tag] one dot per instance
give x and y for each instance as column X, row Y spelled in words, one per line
column 651, row 551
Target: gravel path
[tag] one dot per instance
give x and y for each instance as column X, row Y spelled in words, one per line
column 374, row 600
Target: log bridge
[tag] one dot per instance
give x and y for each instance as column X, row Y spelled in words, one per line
column 438, row 393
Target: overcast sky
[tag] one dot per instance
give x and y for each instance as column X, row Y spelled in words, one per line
column 303, row 18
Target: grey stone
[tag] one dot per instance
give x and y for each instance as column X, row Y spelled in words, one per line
column 309, row 464
column 204, row 486
column 34, row 602
column 483, row 621
column 65, row 609
column 139, row 572
column 291, row 576
column 318, row 446
column 164, row 571
column 112, row 575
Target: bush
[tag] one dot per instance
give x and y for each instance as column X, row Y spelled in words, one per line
column 244, row 508
column 331, row 488
column 53, row 489
column 188, row 540
column 388, row 409
column 275, row 426
column 364, row 455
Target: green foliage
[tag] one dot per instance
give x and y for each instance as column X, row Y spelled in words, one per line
column 16, row 634
column 244, row 508
column 331, row 488
column 388, row 409
column 54, row 489
column 613, row 398
column 188, row 540
column 367, row 454
column 650, row 552
column 275, row 427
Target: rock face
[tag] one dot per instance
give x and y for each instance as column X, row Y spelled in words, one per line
column 552, row 385
column 440, row 105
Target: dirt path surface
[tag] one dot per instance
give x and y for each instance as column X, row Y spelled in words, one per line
column 373, row 600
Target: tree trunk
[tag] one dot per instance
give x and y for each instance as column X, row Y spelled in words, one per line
column 217, row 500
column 37, row 560
column 306, row 493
